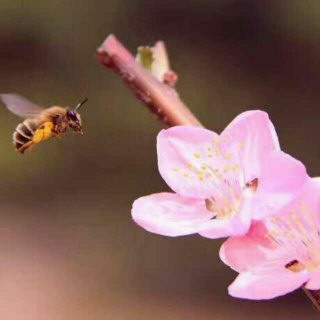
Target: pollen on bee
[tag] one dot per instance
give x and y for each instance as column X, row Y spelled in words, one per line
column 43, row 133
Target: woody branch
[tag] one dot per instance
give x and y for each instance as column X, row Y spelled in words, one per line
column 161, row 99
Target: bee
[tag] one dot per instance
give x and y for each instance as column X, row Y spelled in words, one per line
column 40, row 124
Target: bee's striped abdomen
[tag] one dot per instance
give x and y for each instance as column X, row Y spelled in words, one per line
column 22, row 137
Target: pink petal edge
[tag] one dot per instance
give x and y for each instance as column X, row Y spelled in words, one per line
column 170, row 214
column 282, row 179
column 259, row 120
column 255, row 133
column 265, row 285
column 243, row 253
column 179, row 148
column 314, row 282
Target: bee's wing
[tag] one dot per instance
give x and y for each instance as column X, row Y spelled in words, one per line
column 20, row 106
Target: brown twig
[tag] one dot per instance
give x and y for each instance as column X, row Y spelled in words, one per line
column 159, row 97
column 314, row 296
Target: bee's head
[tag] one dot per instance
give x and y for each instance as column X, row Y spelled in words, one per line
column 74, row 118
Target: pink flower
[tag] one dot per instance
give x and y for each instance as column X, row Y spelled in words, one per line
column 221, row 182
column 281, row 253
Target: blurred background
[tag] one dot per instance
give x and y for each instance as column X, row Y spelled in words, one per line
column 68, row 246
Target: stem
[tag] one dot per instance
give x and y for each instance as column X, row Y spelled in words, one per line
column 314, row 296
column 159, row 97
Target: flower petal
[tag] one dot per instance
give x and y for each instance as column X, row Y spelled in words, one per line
column 170, row 214
column 182, row 152
column 243, row 253
column 282, row 178
column 236, row 225
column 253, row 134
column 265, row 284
column 311, row 195
column 314, row 282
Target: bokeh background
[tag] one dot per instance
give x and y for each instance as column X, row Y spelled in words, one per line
column 68, row 246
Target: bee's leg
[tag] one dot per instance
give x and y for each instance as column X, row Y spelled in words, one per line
column 61, row 131
column 56, row 125
column 25, row 147
column 60, row 127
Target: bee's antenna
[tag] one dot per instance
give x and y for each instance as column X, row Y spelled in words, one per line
column 80, row 104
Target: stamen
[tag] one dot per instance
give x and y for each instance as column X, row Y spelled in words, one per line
column 296, row 234
column 295, row 266
column 253, row 185
column 218, row 167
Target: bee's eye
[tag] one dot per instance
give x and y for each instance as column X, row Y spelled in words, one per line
column 72, row 115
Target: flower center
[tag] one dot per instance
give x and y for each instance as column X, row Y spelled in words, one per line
column 228, row 200
column 217, row 167
column 297, row 235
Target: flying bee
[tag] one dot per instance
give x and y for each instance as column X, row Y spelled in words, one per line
column 40, row 124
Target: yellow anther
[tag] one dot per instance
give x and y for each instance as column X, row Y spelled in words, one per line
column 215, row 141
column 241, row 145
column 226, row 169
column 273, row 234
column 186, row 175
column 235, row 167
column 228, row 156
column 196, row 155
